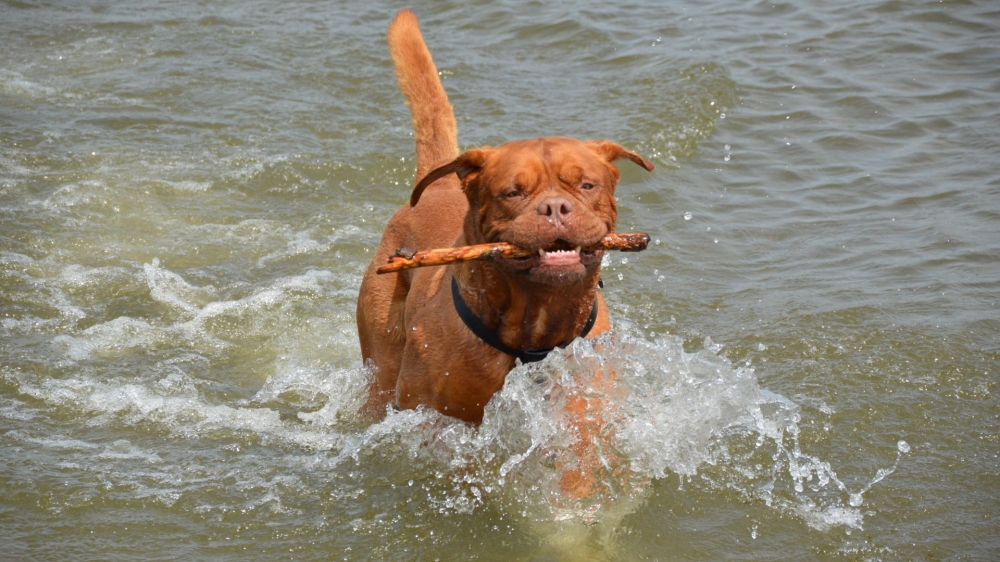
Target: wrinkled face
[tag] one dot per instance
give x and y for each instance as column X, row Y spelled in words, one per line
column 550, row 195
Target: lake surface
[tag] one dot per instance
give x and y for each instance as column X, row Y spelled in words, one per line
column 808, row 353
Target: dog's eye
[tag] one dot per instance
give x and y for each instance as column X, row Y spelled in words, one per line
column 512, row 193
column 586, row 186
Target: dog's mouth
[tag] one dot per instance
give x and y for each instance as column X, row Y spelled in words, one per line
column 560, row 255
column 557, row 258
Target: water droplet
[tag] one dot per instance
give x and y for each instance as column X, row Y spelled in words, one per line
column 903, row 446
column 624, row 261
column 726, row 158
column 621, row 276
column 855, row 500
column 660, row 279
column 727, row 147
column 688, row 216
column 722, row 115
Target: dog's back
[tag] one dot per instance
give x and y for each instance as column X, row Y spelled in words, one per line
column 433, row 118
column 435, row 223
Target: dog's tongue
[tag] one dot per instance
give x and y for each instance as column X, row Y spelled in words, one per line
column 560, row 257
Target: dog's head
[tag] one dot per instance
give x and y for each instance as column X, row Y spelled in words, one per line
column 551, row 195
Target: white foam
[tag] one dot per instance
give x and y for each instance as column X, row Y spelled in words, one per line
column 15, row 83
column 15, row 409
column 73, row 195
column 670, row 412
column 13, row 258
column 331, row 395
column 194, row 308
column 171, row 289
column 302, row 244
column 59, row 442
column 189, row 186
column 120, row 335
column 172, row 402
column 674, row 412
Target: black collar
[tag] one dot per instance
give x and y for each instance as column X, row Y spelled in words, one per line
column 525, row 355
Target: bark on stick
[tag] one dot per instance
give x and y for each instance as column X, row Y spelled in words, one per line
column 405, row 258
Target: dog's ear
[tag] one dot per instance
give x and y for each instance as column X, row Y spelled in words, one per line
column 614, row 151
column 468, row 162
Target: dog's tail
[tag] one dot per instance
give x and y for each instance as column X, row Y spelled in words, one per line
column 434, row 129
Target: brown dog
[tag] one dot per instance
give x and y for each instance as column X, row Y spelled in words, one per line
column 446, row 337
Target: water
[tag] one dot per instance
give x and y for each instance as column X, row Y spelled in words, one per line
column 806, row 358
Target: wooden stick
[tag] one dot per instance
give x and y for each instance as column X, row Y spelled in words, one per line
column 406, row 258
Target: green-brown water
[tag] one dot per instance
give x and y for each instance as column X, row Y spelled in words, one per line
column 190, row 192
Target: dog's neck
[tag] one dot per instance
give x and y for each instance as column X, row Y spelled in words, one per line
column 526, row 315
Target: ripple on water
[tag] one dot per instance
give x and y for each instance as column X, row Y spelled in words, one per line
column 673, row 413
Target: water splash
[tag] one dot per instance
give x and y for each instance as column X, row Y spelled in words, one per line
column 653, row 411
column 664, row 411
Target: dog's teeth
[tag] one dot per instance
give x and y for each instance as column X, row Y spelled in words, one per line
column 578, row 248
column 541, row 252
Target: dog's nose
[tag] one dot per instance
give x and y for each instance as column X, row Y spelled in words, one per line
column 555, row 208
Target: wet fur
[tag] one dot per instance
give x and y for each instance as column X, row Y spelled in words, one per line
column 421, row 352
